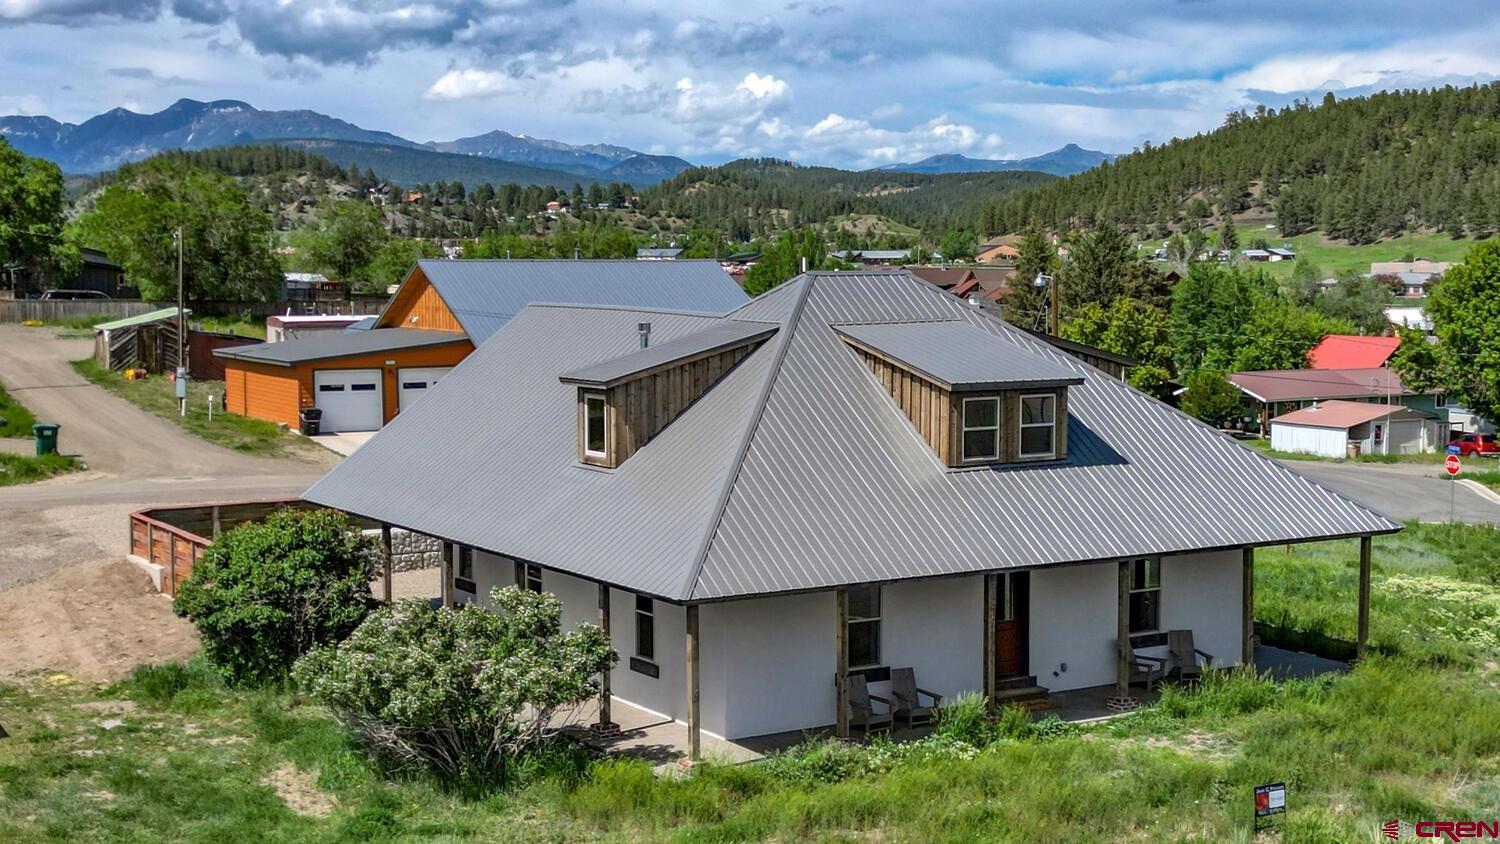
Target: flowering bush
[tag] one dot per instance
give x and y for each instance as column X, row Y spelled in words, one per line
column 465, row 693
column 267, row 592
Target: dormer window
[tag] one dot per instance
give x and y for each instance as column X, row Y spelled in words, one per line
column 1038, row 426
column 981, row 429
column 595, row 443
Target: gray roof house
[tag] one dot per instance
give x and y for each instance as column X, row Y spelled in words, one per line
column 851, row 474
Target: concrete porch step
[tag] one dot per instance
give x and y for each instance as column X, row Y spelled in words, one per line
column 1019, row 681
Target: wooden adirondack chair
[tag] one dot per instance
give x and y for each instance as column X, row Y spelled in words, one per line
column 862, row 712
column 909, row 698
column 1182, row 656
column 1147, row 670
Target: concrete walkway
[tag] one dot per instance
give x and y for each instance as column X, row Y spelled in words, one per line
column 345, row 443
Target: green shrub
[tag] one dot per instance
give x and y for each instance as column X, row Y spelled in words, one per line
column 966, row 718
column 465, row 694
column 189, row 685
column 268, row 592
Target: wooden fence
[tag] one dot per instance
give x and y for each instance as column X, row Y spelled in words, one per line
column 174, row 538
column 67, row 310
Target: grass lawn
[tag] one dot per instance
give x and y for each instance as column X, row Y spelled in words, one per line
column 1264, row 447
column 1413, row 732
column 1335, row 256
column 157, row 395
column 26, row 468
column 15, row 419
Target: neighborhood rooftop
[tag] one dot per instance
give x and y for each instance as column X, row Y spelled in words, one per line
column 1302, row 384
column 797, row 470
column 483, row 295
column 1344, row 414
column 326, row 345
column 727, row 334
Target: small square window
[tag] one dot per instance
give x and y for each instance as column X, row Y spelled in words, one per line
column 981, row 429
column 534, row 577
column 1038, row 425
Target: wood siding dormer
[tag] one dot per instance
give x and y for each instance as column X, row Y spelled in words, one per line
column 418, row 305
column 639, row 409
column 936, row 411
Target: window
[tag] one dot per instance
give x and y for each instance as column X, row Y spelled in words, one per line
column 862, row 644
column 593, row 424
column 363, row 388
column 1440, row 400
column 1145, row 596
column 645, row 628
column 1038, row 425
column 413, row 385
column 981, row 436
column 533, row 577
column 463, row 569
column 330, row 388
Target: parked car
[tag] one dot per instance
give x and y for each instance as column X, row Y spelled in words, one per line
column 1483, row 445
column 74, row 294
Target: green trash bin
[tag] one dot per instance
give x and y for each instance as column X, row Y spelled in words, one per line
column 46, row 438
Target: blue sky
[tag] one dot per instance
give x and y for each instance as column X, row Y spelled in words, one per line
column 820, row 81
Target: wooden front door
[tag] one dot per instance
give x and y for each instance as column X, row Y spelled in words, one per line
column 1010, row 623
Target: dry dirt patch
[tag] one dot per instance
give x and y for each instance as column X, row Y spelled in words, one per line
column 95, row 621
column 299, row 790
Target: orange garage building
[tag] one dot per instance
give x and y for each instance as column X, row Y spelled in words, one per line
column 361, row 379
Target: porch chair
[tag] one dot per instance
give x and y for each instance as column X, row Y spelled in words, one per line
column 1147, row 670
column 862, row 712
column 1182, row 656
column 909, row 698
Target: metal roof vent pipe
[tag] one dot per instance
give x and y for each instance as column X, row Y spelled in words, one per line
column 973, row 301
column 645, row 330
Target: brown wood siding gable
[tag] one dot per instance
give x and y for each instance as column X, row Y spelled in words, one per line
column 418, row 305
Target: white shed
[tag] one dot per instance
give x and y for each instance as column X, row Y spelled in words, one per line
column 1330, row 428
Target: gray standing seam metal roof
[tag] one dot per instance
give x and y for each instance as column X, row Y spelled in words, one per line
column 326, row 345
column 484, row 294
column 958, row 355
column 727, row 334
column 797, row 471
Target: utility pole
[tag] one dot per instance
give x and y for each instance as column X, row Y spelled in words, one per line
column 181, row 333
column 1052, row 311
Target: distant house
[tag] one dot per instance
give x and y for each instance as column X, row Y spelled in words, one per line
column 1414, row 285
column 874, row 257
column 658, row 254
column 1341, row 428
column 306, row 291
column 1420, row 265
column 949, row 279
column 997, row 253
column 294, row 326
column 986, row 285
column 1352, row 351
column 1255, row 254
column 1416, row 318
column 1270, row 393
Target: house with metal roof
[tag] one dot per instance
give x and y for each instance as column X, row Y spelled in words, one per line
column 1352, row 351
column 360, row 380
column 1341, row 428
column 1273, row 392
column 851, row 474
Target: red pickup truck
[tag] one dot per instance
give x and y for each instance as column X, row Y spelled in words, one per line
column 1483, row 445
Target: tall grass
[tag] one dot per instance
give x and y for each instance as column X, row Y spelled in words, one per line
column 15, row 419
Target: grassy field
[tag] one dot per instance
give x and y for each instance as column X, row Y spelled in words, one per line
column 15, row 419
column 1264, row 447
column 25, row 468
column 250, row 436
column 1412, row 732
column 1333, row 257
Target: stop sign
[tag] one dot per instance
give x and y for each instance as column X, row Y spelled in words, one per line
column 1451, row 464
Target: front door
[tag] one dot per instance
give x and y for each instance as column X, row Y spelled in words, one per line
column 1011, row 598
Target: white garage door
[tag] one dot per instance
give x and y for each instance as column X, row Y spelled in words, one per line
column 415, row 382
column 349, row 398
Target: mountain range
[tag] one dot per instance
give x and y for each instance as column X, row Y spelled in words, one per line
column 120, row 136
column 1064, row 161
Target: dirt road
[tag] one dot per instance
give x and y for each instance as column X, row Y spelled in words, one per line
column 68, row 599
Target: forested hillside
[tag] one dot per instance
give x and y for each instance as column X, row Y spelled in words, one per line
column 759, row 196
column 1358, row 169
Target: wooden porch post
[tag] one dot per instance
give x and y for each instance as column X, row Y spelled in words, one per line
column 990, row 598
column 693, row 726
column 385, row 558
column 216, row 521
column 840, row 663
column 1247, row 611
column 1122, row 699
column 445, row 574
column 604, row 693
column 1362, row 634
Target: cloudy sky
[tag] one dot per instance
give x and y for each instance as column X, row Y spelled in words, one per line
column 820, row 81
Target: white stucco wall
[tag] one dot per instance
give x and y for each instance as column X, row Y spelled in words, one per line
column 937, row 628
column 1305, row 439
column 1072, row 626
column 1201, row 593
column 778, row 662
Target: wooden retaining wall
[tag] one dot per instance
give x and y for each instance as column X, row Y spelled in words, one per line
column 174, row 538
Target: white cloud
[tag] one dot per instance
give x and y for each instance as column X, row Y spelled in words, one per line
column 856, row 141
column 468, row 83
column 764, row 87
